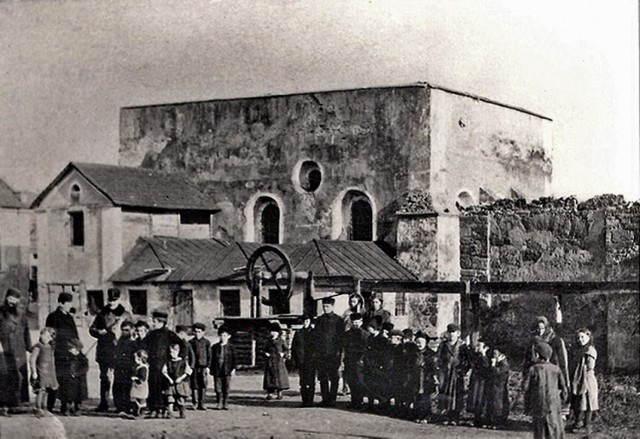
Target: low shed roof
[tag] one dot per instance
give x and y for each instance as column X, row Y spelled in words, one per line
column 161, row 259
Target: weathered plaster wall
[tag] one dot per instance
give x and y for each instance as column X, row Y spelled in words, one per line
column 375, row 140
column 418, row 245
column 477, row 144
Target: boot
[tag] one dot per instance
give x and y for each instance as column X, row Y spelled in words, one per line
column 224, row 403
column 169, row 413
column 181, row 410
column 201, row 399
column 218, row 401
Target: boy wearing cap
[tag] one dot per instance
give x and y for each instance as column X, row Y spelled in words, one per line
column 374, row 360
column 65, row 330
column 157, row 344
column 201, row 348
column 355, row 345
column 427, row 368
column 104, row 328
column 123, row 364
column 546, row 389
column 453, row 366
column 276, row 377
column 329, row 333
column 302, row 356
column 223, row 366
column 395, row 370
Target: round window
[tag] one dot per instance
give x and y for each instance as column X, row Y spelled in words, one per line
column 310, row 176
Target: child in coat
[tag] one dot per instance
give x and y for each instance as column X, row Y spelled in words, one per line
column 545, row 390
column 74, row 386
column 584, row 387
column 43, row 369
column 276, row 377
column 176, row 375
column 201, row 348
column 495, row 400
column 223, row 366
column 139, row 383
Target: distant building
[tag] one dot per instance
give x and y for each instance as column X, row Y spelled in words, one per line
column 16, row 222
column 91, row 215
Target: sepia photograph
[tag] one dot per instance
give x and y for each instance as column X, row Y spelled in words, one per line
column 338, row 219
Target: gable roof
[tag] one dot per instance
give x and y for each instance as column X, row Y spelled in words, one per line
column 8, row 198
column 194, row 261
column 137, row 187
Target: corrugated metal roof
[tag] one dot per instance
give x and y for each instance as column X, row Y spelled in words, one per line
column 138, row 187
column 8, row 198
column 191, row 260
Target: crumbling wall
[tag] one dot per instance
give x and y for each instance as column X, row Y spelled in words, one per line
column 373, row 140
column 474, row 247
column 554, row 240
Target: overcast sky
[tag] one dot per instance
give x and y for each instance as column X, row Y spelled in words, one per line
column 68, row 66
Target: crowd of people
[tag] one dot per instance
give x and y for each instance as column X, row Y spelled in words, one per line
column 422, row 376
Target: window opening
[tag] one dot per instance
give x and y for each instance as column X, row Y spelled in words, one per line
column 280, row 306
column 95, row 301
column 230, row 303
column 77, row 228
column 361, row 221
column 138, row 301
column 270, row 223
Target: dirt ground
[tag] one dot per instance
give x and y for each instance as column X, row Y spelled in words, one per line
column 250, row 416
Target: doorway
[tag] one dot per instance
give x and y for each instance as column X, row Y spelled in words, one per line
column 183, row 307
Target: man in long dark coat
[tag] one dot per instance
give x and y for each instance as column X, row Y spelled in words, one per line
column 454, row 364
column 355, row 345
column 104, row 328
column 302, row 348
column 157, row 344
column 328, row 334
column 63, row 322
column 15, row 339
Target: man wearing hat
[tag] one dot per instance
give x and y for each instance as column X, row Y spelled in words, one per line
column 63, row 322
column 105, row 328
column 15, row 342
column 328, row 334
column 355, row 345
column 302, row 356
column 454, row 365
column 157, row 343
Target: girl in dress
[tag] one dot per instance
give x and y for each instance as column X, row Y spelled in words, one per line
column 276, row 378
column 43, row 369
column 140, row 385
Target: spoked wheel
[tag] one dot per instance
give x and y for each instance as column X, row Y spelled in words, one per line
column 272, row 266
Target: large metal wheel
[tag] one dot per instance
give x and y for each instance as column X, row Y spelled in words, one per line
column 270, row 265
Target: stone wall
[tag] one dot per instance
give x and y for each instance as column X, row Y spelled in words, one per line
column 553, row 240
column 371, row 140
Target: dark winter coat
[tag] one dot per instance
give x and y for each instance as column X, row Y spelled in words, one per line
column 496, row 393
column 275, row 372
column 157, row 343
column 74, row 382
column 15, row 339
column 544, row 386
column 66, row 330
column 453, row 363
column 223, row 359
column 328, row 334
column 202, row 351
column 302, row 348
column 107, row 319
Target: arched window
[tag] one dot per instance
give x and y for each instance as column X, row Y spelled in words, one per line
column 270, row 223
column 267, row 220
column 357, row 217
column 75, row 193
column 361, row 221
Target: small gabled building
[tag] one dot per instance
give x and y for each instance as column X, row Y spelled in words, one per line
column 204, row 280
column 91, row 215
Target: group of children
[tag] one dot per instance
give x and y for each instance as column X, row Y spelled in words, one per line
column 69, row 382
column 153, row 370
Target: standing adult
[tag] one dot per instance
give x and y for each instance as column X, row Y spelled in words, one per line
column 454, row 364
column 328, row 334
column 355, row 345
column 377, row 311
column 543, row 333
column 15, row 340
column 157, row 344
column 302, row 355
column 105, row 328
column 63, row 322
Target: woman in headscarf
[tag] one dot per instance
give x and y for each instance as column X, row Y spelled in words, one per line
column 543, row 333
column 584, row 387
